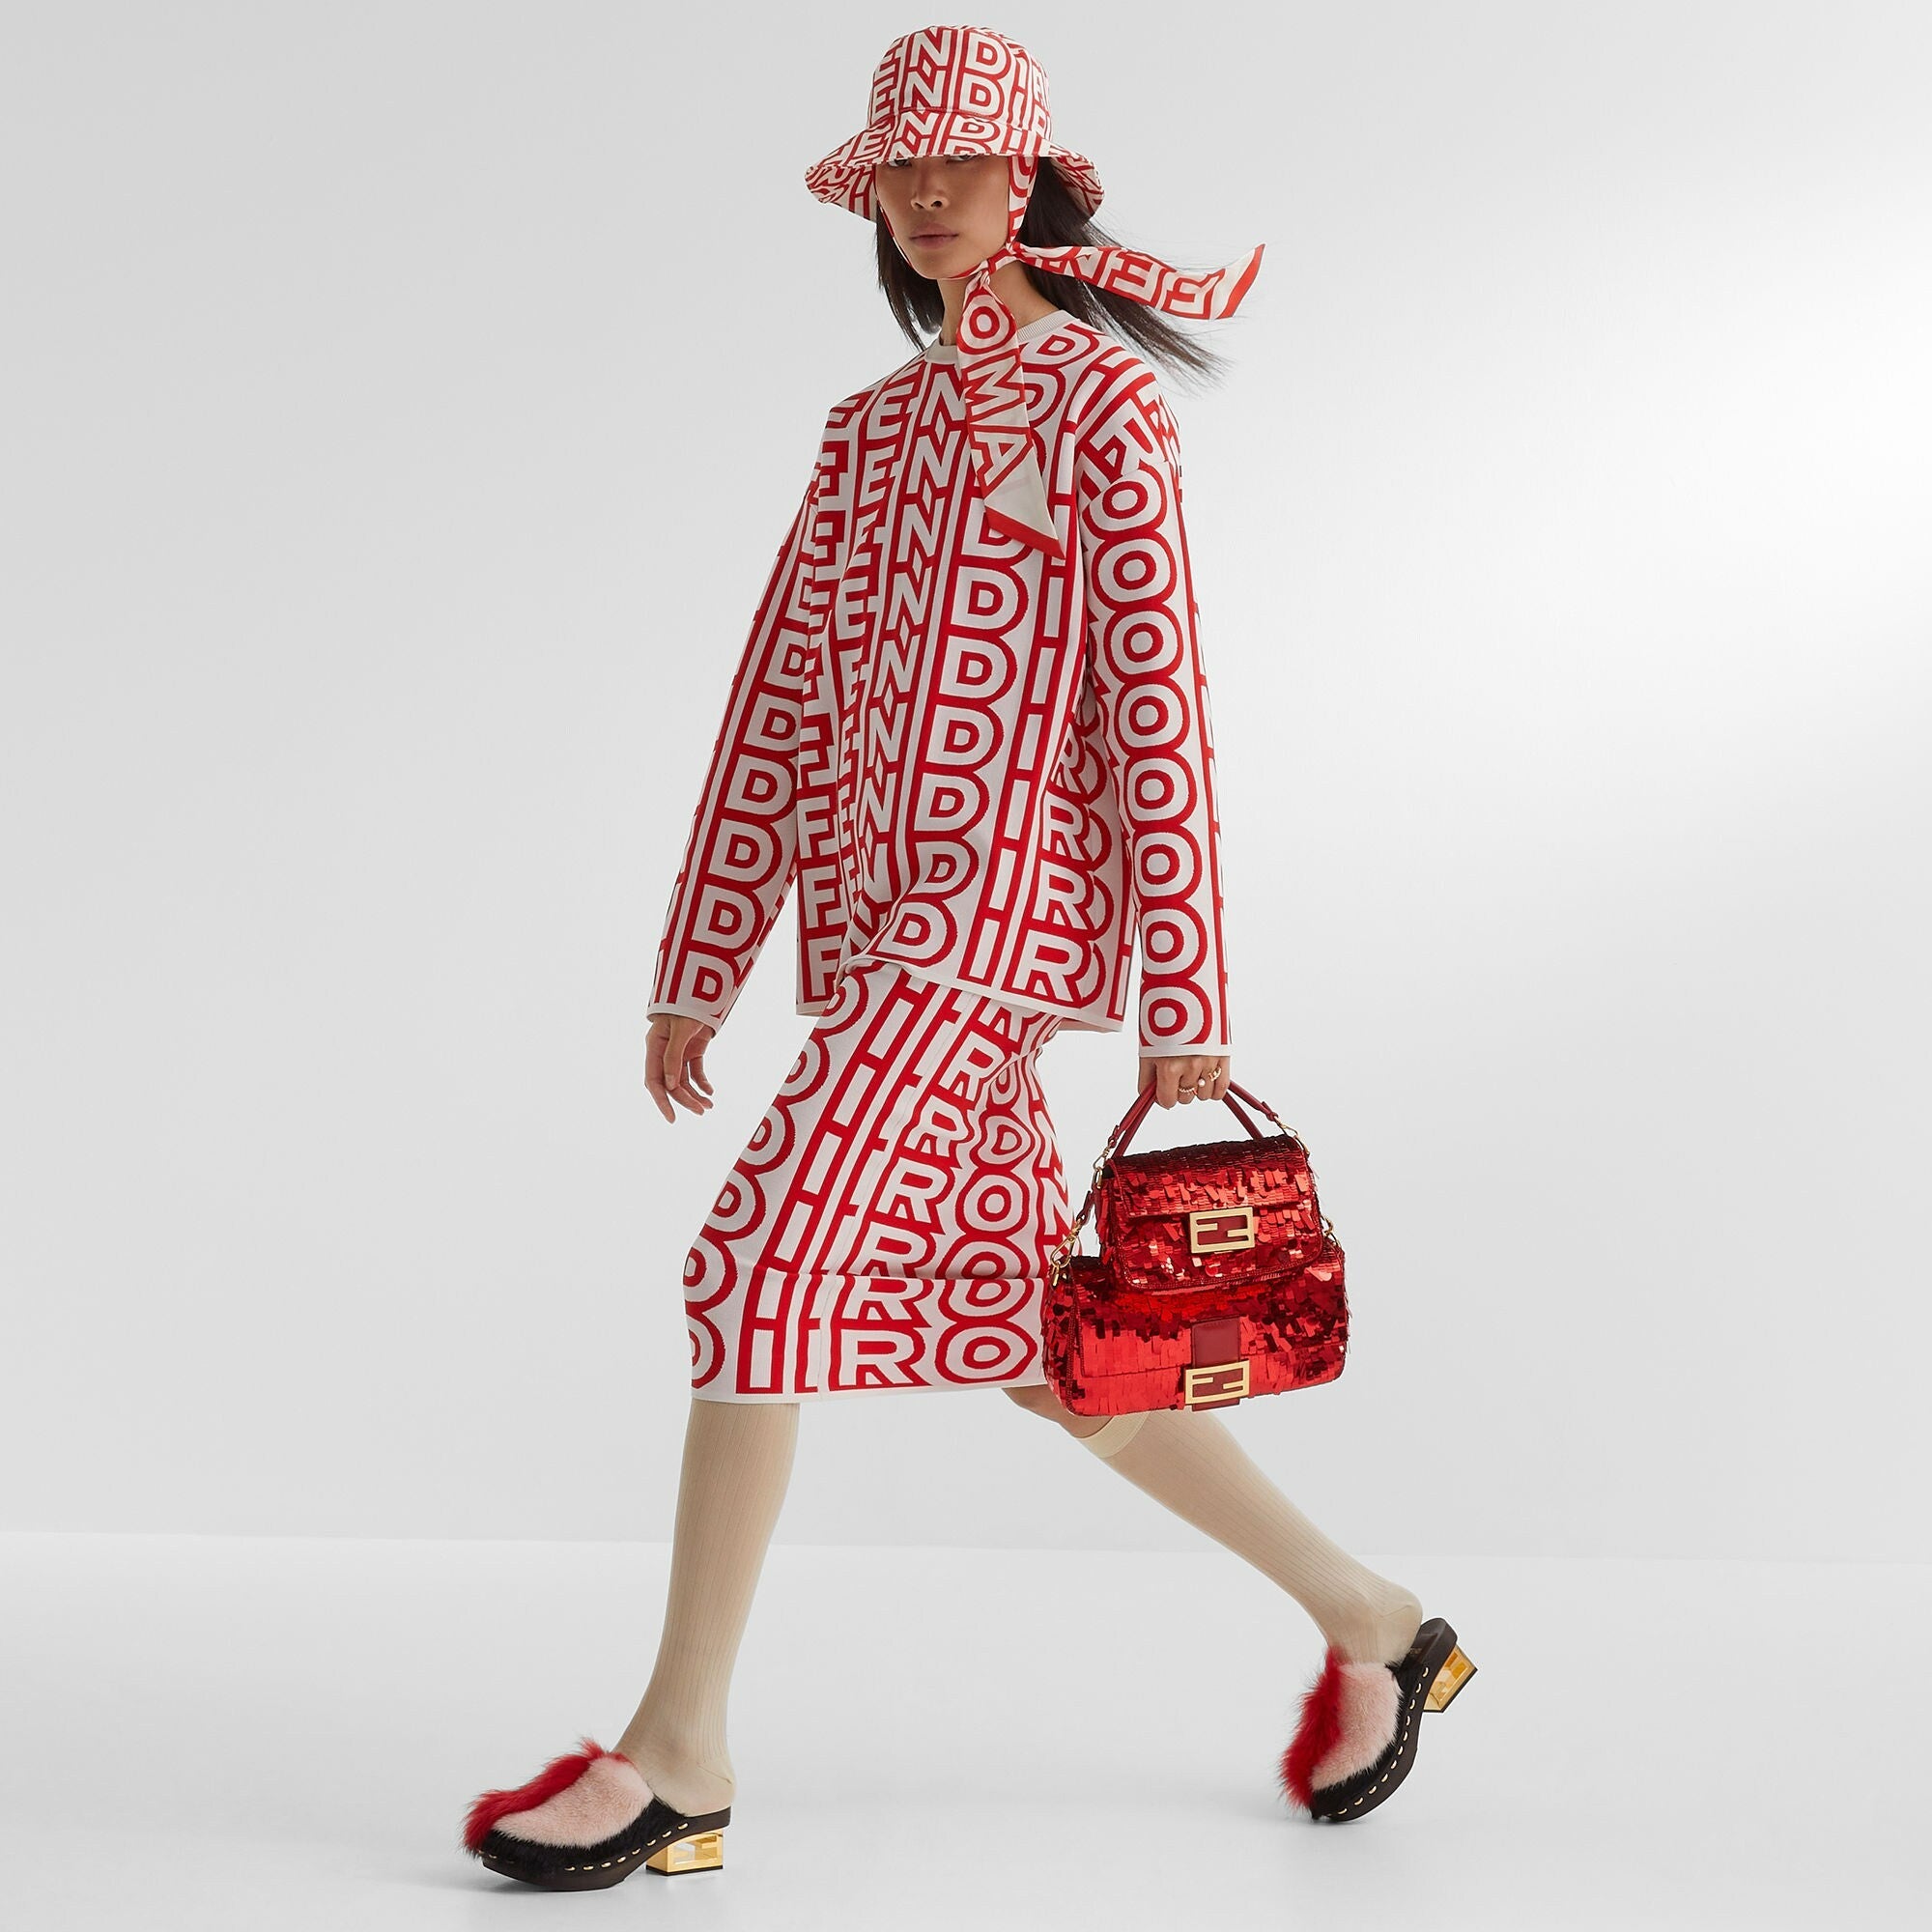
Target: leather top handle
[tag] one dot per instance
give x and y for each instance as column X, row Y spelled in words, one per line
column 1131, row 1121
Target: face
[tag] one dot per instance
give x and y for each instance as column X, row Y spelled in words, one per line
column 947, row 213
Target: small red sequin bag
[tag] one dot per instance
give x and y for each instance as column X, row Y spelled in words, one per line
column 1219, row 1277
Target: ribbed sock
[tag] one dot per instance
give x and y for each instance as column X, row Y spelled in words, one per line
column 737, row 1465
column 1191, row 1463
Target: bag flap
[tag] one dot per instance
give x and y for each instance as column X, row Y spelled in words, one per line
column 1218, row 1213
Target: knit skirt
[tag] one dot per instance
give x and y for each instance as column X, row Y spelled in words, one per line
column 888, row 1225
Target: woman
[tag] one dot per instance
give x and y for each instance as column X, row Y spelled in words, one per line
column 970, row 729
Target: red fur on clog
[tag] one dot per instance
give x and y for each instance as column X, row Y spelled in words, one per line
column 558, row 1774
column 1315, row 1735
column 1347, row 1721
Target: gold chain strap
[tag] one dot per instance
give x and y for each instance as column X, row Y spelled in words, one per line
column 1057, row 1261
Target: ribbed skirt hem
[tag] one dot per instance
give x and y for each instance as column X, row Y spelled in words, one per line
column 1035, row 1381
column 796, row 1337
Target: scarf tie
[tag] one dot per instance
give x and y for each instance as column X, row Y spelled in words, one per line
column 1005, row 460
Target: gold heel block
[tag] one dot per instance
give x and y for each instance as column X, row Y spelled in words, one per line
column 1456, row 1671
column 703, row 1851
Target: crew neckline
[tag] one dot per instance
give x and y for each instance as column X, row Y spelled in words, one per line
column 948, row 352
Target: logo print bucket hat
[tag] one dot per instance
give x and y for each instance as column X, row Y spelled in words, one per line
column 968, row 90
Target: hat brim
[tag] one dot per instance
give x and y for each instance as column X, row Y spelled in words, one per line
column 844, row 177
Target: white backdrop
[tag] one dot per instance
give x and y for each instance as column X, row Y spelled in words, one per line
column 401, row 403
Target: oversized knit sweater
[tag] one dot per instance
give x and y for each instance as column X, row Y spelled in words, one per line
column 988, row 765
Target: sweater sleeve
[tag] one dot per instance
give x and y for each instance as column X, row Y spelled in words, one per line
column 743, row 847
column 1145, row 662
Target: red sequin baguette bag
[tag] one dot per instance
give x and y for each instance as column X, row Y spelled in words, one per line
column 1219, row 1277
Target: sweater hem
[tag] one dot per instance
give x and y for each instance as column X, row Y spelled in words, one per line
column 1083, row 1014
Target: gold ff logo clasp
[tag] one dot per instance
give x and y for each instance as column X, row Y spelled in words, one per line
column 1221, row 1231
column 1218, row 1382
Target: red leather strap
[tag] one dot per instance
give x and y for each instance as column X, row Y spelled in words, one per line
column 1131, row 1121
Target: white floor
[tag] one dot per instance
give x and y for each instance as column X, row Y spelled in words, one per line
column 271, row 1735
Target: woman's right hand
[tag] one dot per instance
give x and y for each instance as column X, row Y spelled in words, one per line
column 674, row 1064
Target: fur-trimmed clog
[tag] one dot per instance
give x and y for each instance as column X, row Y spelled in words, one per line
column 1359, row 1730
column 588, row 1820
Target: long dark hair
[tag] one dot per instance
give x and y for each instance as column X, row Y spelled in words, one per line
column 1053, row 220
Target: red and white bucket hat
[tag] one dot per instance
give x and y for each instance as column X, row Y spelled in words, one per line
column 951, row 91
column 968, row 90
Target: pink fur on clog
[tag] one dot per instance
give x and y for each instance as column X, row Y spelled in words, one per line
column 580, row 1799
column 1347, row 1718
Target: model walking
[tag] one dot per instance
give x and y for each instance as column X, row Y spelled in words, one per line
column 970, row 733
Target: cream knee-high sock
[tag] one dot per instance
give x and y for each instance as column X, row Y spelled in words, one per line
column 1191, row 1463
column 737, row 1465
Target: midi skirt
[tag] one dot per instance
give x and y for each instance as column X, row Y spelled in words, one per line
column 889, row 1224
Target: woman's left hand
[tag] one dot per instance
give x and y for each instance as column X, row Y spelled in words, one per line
column 1185, row 1077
